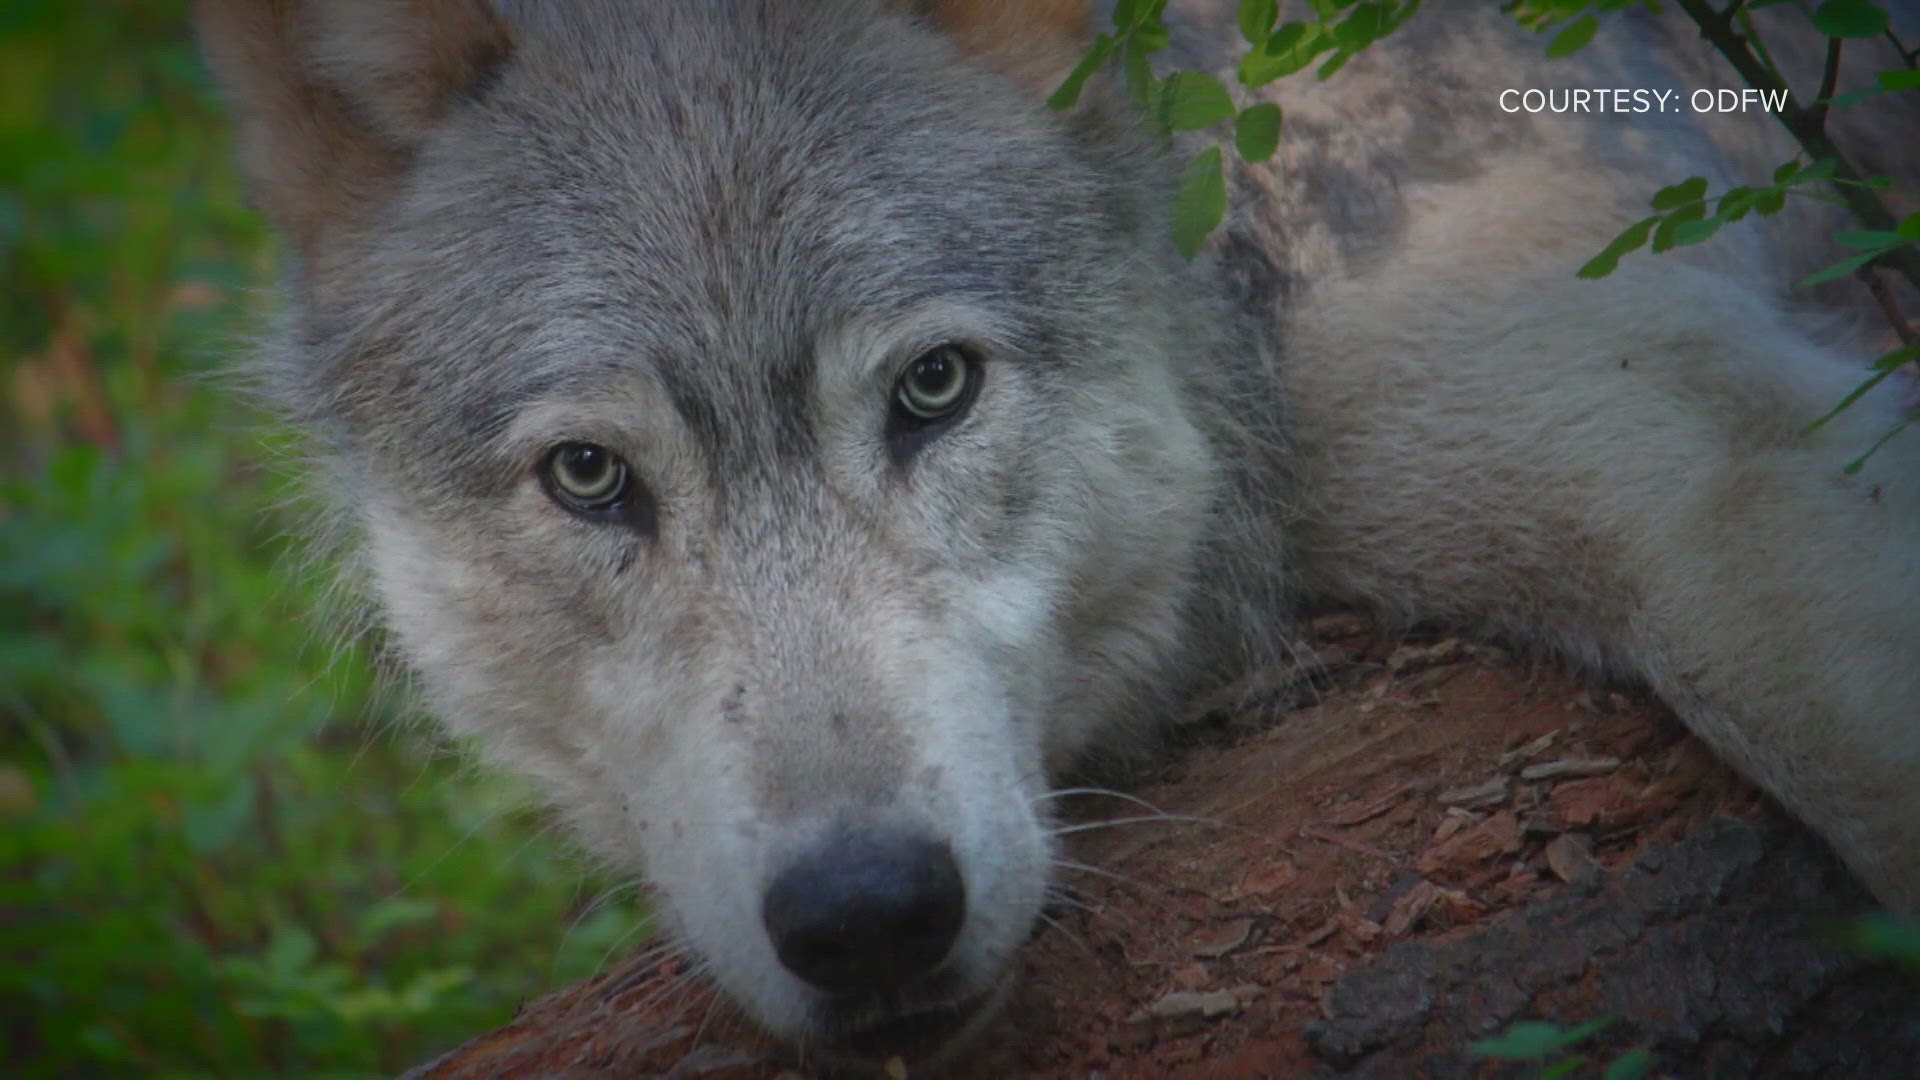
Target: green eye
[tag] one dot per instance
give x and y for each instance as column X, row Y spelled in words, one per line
column 936, row 385
column 586, row 478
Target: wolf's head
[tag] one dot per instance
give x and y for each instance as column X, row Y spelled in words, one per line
column 769, row 427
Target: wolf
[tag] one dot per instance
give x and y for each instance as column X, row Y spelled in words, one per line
column 779, row 434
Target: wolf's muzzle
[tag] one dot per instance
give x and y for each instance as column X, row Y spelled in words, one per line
column 867, row 910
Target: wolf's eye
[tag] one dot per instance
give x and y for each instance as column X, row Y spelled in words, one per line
column 586, row 478
column 936, row 386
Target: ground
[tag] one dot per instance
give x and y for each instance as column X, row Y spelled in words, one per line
column 1360, row 874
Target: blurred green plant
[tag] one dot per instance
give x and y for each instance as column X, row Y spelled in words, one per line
column 1885, row 937
column 219, row 850
column 1551, row 1048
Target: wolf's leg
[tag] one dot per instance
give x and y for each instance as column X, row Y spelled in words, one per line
column 1615, row 469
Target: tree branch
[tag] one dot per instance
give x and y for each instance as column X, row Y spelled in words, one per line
column 1829, row 82
column 1808, row 127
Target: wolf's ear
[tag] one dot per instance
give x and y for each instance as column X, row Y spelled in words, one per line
column 330, row 98
column 1036, row 41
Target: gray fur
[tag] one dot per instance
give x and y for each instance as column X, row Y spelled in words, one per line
column 709, row 236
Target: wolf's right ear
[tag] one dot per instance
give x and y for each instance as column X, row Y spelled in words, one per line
column 331, row 98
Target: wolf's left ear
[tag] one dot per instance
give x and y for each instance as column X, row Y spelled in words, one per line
column 1036, row 41
column 331, row 98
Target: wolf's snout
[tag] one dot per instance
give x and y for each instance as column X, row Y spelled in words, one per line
column 866, row 910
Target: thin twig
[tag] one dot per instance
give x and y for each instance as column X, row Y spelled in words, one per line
column 1751, row 35
column 1909, row 58
column 1829, row 82
column 1889, row 307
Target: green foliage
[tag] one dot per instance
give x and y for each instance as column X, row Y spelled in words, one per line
column 1573, row 37
column 1256, row 131
column 1191, row 101
column 1201, row 201
column 1881, row 935
column 1885, row 936
column 1685, row 215
column 1850, row 19
column 218, row 851
column 1538, row 1041
column 1685, row 219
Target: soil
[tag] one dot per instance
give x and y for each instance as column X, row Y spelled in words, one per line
column 1430, row 843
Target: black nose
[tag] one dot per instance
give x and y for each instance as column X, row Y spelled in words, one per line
column 866, row 910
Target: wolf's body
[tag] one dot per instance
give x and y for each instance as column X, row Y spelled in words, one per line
column 821, row 662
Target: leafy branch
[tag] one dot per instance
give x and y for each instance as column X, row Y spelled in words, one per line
column 1840, row 20
column 1684, row 212
column 1194, row 101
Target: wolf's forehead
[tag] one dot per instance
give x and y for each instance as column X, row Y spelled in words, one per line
column 709, row 191
column 715, row 146
column 692, row 183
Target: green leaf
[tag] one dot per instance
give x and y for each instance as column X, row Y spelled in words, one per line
column 1632, row 238
column 1853, row 467
column 1290, row 49
column 1734, row 203
column 1838, row 270
column 1693, row 232
column 293, row 948
column 1884, row 367
column 1909, row 227
column 1362, row 27
column 1195, row 101
column 1290, row 36
column 1530, row 1040
column 1902, row 79
column 212, row 825
column 1256, row 131
column 1849, row 19
column 1889, row 361
column 1152, row 37
column 1139, row 74
column 1855, row 97
column 1200, row 203
column 1631, row 1065
column 1819, row 170
column 1866, row 240
column 1573, row 37
column 1665, row 235
column 1680, row 194
column 1256, row 19
column 1069, row 91
column 390, row 914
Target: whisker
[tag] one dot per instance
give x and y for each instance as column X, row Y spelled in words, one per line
column 1108, row 792
column 661, row 995
column 606, row 896
column 1061, row 929
column 1064, row 899
column 713, row 1002
column 627, row 935
column 644, row 962
column 1097, row 871
column 1089, row 826
column 486, row 820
